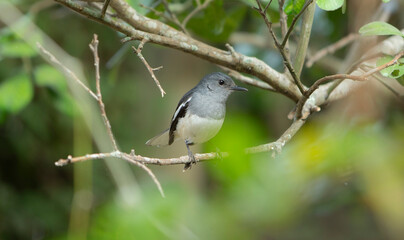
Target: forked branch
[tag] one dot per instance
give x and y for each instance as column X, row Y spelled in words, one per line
column 151, row 70
column 98, row 97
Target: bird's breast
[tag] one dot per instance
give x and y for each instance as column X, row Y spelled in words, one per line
column 198, row 129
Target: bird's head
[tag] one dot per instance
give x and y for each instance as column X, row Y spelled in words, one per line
column 219, row 84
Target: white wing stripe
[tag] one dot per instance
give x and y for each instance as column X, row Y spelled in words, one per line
column 180, row 107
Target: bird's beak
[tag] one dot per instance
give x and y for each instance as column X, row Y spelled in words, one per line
column 237, row 88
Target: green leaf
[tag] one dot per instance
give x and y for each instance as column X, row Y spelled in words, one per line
column 293, row 7
column 386, row 1
column 216, row 24
column 330, row 5
column 394, row 71
column 66, row 104
column 16, row 49
column 15, row 93
column 47, row 76
column 379, row 28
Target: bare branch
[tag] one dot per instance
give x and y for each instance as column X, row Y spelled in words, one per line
column 248, row 80
column 379, row 78
column 292, row 25
column 139, row 159
column 363, row 77
column 332, row 48
column 141, row 27
column 304, row 37
column 199, row 8
column 174, row 17
column 282, row 140
column 94, row 48
column 151, row 70
column 284, row 55
column 386, row 65
column 283, row 20
column 64, row 69
column 104, row 8
column 149, row 172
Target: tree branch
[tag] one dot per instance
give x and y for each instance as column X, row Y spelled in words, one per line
column 159, row 33
column 248, row 80
column 332, row 48
column 151, row 70
column 286, row 60
column 104, row 8
column 94, row 48
column 283, row 20
column 363, row 77
column 304, row 37
column 174, row 17
column 198, row 8
column 294, row 21
column 98, row 97
column 66, row 71
column 282, row 140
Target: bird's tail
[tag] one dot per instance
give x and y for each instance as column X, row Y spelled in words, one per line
column 159, row 140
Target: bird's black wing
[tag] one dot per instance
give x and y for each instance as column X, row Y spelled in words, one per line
column 180, row 112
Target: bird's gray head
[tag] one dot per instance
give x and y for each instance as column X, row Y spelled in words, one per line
column 218, row 84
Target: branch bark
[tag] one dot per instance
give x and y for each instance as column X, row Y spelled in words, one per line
column 159, row 33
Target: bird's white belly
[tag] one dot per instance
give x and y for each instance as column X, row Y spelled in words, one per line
column 197, row 129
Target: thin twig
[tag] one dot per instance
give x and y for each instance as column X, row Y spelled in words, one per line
column 104, row 8
column 138, row 27
column 248, row 80
column 282, row 140
column 98, row 97
column 304, row 37
column 151, row 70
column 140, row 159
column 174, row 17
column 363, row 77
column 199, row 8
column 64, row 69
column 283, row 20
column 292, row 25
column 386, row 65
column 378, row 77
column 286, row 60
column 94, row 48
column 158, row 13
column 332, row 48
column 148, row 171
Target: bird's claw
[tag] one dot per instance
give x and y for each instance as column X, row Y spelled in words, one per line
column 188, row 165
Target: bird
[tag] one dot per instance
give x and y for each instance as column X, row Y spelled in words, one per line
column 199, row 114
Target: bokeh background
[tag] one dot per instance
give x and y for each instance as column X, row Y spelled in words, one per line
column 340, row 177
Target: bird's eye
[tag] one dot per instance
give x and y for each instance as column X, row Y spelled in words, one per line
column 221, row 82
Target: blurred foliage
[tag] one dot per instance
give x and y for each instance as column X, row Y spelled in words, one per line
column 340, row 177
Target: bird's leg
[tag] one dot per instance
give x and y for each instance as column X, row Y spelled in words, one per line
column 190, row 155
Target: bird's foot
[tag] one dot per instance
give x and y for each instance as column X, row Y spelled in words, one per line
column 192, row 160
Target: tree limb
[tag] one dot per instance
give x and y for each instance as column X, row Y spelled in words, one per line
column 282, row 140
column 98, row 97
column 282, row 51
column 162, row 34
column 304, row 38
column 331, row 48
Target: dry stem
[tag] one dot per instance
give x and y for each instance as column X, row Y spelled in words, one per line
column 94, row 48
column 332, row 48
column 151, row 70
